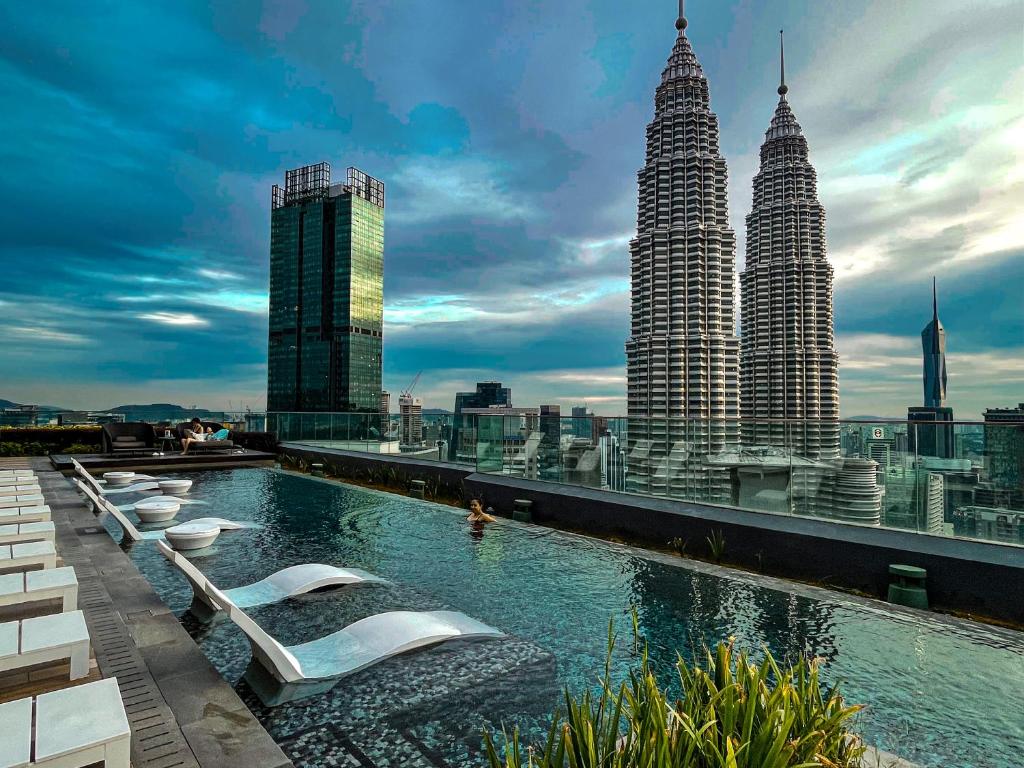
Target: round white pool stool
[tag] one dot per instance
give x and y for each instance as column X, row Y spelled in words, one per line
column 192, row 535
column 118, row 478
column 174, row 486
column 157, row 510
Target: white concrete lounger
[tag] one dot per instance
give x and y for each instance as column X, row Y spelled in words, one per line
column 23, row 532
column 288, row 582
column 31, row 586
column 21, row 557
column 14, row 515
column 148, row 485
column 22, row 500
column 46, row 638
column 279, row 673
column 75, row 727
column 20, row 489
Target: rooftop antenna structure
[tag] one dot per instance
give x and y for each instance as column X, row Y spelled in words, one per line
column 783, row 88
column 681, row 19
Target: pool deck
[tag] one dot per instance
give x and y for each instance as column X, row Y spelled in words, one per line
column 166, row 462
column 181, row 711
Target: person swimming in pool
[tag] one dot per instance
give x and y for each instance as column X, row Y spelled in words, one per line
column 477, row 514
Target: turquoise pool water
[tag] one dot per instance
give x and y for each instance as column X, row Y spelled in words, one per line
column 940, row 692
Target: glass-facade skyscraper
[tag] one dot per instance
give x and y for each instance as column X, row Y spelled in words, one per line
column 326, row 292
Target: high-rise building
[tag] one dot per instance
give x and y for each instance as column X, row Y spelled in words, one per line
column 385, row 403
column 1004, row 453
column 930, row 428
column 410, row 425
column 789, row 380
column 682, row 353
column 549, row 464
column 487, row 394
column 326, row 292
column 582, row 422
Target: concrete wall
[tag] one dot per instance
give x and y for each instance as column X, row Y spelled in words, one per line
column 971, row 577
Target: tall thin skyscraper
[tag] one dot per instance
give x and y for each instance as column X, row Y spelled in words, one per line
column 789, row 379
column 682, row 354
column 326, row 292
column 933, row 344
column 930, row 428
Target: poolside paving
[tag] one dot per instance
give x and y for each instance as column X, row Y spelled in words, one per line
column 181, row 711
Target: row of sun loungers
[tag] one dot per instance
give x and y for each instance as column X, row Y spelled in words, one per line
column 68, row 728
column 279, row 673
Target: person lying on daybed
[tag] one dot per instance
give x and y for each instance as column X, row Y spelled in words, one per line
column 198, row 435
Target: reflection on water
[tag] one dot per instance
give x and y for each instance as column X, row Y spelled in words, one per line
column 940, row 692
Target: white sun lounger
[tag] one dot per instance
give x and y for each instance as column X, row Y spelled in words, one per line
column 288, row 582
column 74, row 727
column 13, row 515
column 21, row 557
column 20, row 489
column 281, row 673
column 18, row 533
column 22, row 500
column 31, row 586
column 46, row 638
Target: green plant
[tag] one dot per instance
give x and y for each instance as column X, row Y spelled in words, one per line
column 678, row 545
column 732, row 713
column 716, row 543
column 80, row 448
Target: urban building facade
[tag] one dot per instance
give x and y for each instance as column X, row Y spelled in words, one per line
column 682, row 353
column 486, row 394
column 410, row 428
column 1004, row 453
column 789, row 377
column 326, row 292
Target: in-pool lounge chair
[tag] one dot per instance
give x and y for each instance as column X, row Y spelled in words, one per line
column 279, row 673
column 41, row 639
column 288, row 582
column 21, row 557
column 74, row 727
column 32, row 586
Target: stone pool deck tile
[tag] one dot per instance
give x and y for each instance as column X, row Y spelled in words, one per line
column 181, row 711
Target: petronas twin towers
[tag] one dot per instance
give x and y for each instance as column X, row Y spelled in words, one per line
column 695, row 390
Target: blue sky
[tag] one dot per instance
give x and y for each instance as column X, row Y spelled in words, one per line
column 139, row 143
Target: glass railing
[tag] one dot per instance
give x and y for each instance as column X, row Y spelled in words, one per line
column 944, row 478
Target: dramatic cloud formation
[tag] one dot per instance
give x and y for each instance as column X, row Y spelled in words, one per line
column 139, row 143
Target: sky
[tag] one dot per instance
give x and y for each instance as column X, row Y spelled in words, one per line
column 139, row 143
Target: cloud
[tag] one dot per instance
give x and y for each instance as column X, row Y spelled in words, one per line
column 174, row 318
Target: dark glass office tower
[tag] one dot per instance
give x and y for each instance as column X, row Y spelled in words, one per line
column 931, row 427
column 487, row 393
column 326, row 292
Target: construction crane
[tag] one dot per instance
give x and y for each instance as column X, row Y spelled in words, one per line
column 407, row 392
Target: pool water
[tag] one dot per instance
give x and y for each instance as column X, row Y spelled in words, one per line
column 938, row 691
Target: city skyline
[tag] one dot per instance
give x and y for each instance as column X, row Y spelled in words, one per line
column 512, row 210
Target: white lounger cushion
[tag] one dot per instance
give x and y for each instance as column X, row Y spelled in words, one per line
column 30, row 586
column 11, row 515
column 19, row 489
column 18, row 557
column 355, row 647
column 21, row 532
column 46, row 638
column 74, row 727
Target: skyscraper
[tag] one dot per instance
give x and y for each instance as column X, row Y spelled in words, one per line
column 682, row 353
column 326, row 292
column 410, row 426
column 930, row 430
column 487, row 393
column 789, row 381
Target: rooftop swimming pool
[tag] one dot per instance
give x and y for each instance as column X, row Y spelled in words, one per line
column 939, row 691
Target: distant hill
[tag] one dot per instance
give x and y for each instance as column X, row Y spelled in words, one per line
column 42, row 408
column 436, row 412
column 7, row 404
column 875, row 418
column 158, row 411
